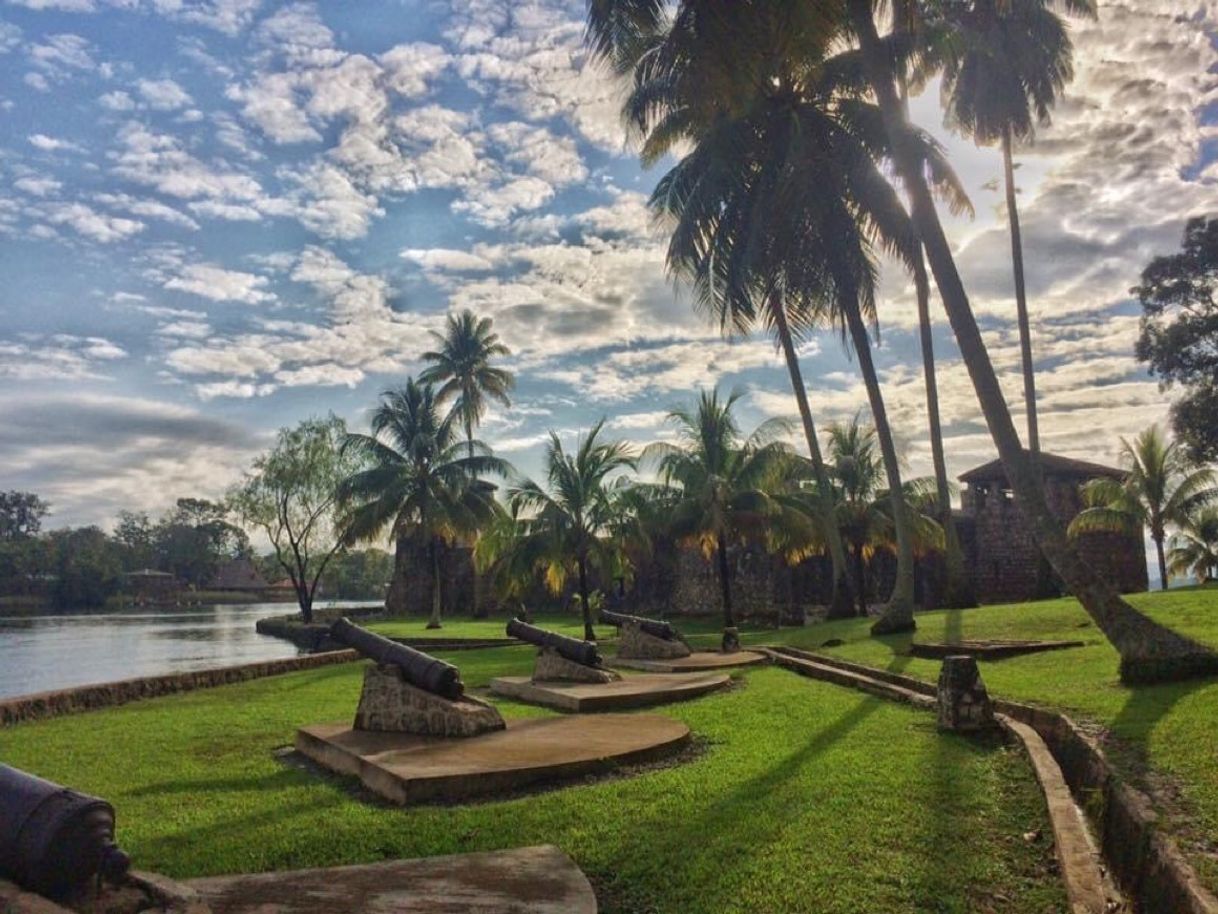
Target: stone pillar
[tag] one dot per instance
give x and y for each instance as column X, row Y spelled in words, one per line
column 388, row 703
column 552, row 666
column 636, row 644
column 964, row 704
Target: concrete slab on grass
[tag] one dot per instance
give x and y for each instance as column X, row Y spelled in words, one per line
column 405, row 768
column 628, row 692
column 536, row 880
column 697, row 662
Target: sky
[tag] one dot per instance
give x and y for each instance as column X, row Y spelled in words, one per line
column 220, row 217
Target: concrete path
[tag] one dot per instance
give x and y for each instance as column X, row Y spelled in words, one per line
column 639, row 691
column 697, row 662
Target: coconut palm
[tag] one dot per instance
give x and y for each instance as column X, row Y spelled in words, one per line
column 1161, row 488
column 569, row 521
column 422, row 482
column 1004, row 63
column 1194, row 547
column 461, row 366
column 727, row 486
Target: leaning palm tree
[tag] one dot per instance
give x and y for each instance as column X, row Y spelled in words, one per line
column 1004, row 63
column 461, row 366
column 1161, row 488
column 726, row 486
column 1194, row 547
column 570, row 519
column 421, row 483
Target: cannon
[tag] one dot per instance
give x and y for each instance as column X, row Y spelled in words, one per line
column 417, row 668
column 652, row 627
column 53, row 840
column 581, row 652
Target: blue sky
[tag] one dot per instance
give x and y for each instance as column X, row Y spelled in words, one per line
column 223, row 216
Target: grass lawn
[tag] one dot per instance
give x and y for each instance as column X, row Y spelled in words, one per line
column 704, row 630
column 805, row 797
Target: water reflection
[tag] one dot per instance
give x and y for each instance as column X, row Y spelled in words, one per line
column 39, row 653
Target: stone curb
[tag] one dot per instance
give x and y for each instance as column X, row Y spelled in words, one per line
column 42, row 705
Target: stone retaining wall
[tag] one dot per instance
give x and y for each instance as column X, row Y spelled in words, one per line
column 87, row 698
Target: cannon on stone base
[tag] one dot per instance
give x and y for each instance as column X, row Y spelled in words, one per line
column 646, row 639
column 409, row 691
column 561, row 658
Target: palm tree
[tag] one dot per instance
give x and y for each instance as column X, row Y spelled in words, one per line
column 1004, row 64
column 1194, row 547
column 727, row 485
column 570, row 520
column 418, row 484
column 462, row 367
column 1161, row 488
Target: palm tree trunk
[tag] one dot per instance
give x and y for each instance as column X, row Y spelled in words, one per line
column 898, row 614
column 839, row 599
column 731, row 635
column 860, row 579
column 1021, row 298
column 434, row 555
column 1149, row 651
column 1162, row 561
column 589, row 632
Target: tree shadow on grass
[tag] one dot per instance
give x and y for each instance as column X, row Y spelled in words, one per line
column 284, row 777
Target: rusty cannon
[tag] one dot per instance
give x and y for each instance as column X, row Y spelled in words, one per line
column 584, row 653
column 55, row 841
column 653, row 627
column 417, row 668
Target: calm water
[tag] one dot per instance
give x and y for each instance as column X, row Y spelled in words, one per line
column 39, row 653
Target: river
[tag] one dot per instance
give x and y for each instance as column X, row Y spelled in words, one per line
column 40, row 653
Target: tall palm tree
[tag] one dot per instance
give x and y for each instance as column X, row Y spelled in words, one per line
column 569, row 521
column 727, row 485
column 1161, row 488
column 1194, row 547
column 461, row 366
column 1004, row 64
column 418, row 483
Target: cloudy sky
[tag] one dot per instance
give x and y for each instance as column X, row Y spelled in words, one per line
column 223, row 216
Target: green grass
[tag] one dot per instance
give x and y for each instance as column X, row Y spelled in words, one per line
column 704, row 630
column 806, row 797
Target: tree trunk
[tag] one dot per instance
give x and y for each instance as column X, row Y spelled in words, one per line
column 898, row 613
column 860, row 579
column 731, row 635
column 1149, row 651
column 589, row 632
column 1021, row 298
column 839, row 600
column 434, row 555
column 1162, row 561
column 305, row 600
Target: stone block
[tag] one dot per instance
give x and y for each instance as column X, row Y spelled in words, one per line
column 551, row 666
column 635, row 644
column 964, row 704
column 390, row 704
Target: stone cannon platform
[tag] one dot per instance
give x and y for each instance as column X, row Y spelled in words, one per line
column 409, row 768
column 697, row 662
column 639, row 691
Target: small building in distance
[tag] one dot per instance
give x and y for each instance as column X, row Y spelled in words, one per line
column 1004, row 562
column 238, row 575
column 147, row 585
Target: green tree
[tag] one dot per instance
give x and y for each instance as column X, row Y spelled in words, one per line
column 194, row 538
column 727, row 485
column 21, row 514
column 414, row 481
column 357, row 574
column 135, row 534
column 1179, row 338
column 569, row 521
column 86, row 568
column 289, row 495
column 1161, row 488
column 461, row 367
column 1194, row 547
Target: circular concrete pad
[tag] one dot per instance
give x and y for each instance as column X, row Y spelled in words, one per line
column 699, row 661
column 405, row 768
column 526, row 880
column 628, row 692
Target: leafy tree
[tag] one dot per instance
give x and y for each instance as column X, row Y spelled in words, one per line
column 1179, row 338
column 290, row 495
column 193, row 539
column 86, row 568
column 1194, row 547
column 414, row 481
column 135, row 534
column 21, row 514
column 727, row 485
column 1162, row 488
column 570, row 521
column 358, row 574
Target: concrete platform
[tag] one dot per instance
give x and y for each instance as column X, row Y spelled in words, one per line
column 404, row 768
column 987, row 650
column 527, row 880
column 697, row 662
column 628, row 692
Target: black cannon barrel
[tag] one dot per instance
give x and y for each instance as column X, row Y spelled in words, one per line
column 418, row 668
column 53, row 840
column 652, row 626
column 573, row 649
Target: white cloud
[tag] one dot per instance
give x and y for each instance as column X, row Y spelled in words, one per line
column 52, row 144
column 448, row 260
column 38, row 186
column 218, row 284
column 163, row 94
column 56, row 357
column 87, row 221
column 116, row 101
